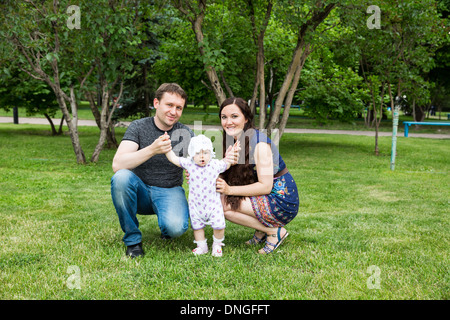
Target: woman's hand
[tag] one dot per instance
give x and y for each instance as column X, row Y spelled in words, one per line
column 232, row 153
column 223, row 187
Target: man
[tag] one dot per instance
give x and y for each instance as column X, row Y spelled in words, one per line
column 145, row 182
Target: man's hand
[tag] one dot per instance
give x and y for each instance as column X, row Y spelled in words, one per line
column 162, row 145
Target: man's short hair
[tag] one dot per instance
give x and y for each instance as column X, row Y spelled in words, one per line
column 170, row 88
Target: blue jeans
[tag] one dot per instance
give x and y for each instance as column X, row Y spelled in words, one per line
column 131, row 196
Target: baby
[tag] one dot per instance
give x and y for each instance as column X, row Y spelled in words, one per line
column 205, row 207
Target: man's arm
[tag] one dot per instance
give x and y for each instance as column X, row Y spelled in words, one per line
column 129, row 157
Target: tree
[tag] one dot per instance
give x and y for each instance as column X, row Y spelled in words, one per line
column 16, row 90
column 112, row 26
column 90, row 58
column 180, row 60
column 331, row 90
column 35, row 32
column 439, row 75
column 398, row 53
column 258, row 33
column 305, row 19
column 194, row 11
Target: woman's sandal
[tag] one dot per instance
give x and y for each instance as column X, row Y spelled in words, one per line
column 273, row 246
column 256, row 240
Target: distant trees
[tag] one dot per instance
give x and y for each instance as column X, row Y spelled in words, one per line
column 74, row 54
column 271, row 52
column 17, row 90
column 395, row 58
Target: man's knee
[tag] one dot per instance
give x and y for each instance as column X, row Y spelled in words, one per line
column 175, row 232
column 175, row 226
column 121, row 178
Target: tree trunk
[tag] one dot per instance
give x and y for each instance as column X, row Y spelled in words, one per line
column 258, row 38
column 270, row 93
column 195, row 17
column 54, row 132
column 225, row 83
column 301, row 52
column 94, row 108
column 103, row 123
column 377, row 121
column 262, row 85
column 61, row 125
column 110, row 136
column 274, row 118
column 419, row 112
column 210, row 70
column 292, row 90
column 71, row 123
column 105, row 117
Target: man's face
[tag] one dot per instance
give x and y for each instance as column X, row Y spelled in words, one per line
column 168, row 110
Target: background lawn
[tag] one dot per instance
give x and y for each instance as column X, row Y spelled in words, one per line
column 297, row 119
column 363, row 231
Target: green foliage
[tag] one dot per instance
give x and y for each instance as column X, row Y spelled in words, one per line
column 331, row 90
column 181, row 63
column 16, row 90
column 145, row 43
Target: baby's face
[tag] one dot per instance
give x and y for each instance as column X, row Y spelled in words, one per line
column 202, row 158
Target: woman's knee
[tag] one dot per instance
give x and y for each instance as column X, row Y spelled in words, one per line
column 229, row 214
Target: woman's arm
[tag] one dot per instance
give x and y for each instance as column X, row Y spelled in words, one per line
column 264, row 169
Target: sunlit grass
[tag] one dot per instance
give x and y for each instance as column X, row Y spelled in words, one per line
column 355, row 213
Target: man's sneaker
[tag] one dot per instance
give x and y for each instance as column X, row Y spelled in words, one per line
column 135, row 251
column 217, row 249
column 164, row 237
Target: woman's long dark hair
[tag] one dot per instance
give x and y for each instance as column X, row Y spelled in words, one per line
column 242, row 173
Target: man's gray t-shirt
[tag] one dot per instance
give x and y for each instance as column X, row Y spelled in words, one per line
column 158, row 171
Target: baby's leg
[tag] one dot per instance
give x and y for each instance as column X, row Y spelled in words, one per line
column 218, row 233
column 199, row 234
column 219, row 236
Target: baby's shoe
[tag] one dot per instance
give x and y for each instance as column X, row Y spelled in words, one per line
column 217, row 249
column 202, row 248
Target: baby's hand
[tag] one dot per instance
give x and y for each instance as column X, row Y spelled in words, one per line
column 165, row 137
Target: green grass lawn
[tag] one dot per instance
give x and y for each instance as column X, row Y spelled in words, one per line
column 363, row 231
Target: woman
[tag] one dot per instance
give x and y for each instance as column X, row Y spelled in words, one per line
column 258, row 192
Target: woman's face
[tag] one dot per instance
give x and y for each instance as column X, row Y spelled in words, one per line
column 232, row 120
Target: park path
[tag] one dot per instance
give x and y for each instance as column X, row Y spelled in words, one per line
column 209, row 127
